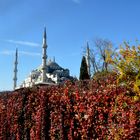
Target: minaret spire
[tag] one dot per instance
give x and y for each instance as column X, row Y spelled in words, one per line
column 44, row 56
column 88, row 58
column 15, row 69
column 54, row 59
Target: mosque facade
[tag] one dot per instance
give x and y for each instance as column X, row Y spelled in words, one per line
column 49, row 72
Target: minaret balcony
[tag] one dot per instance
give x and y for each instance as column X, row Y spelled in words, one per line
column 44, row 57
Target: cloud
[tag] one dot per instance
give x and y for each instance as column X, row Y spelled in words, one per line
column 8, row 52
column 30, row 53
column 24, row 43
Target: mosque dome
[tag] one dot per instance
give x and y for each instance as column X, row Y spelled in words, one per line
column 54, row 66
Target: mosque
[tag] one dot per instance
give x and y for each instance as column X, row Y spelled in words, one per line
column 49, row 72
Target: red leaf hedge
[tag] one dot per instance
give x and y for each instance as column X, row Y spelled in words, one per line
column 87, row 110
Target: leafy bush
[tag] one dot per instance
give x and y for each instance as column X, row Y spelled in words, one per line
column 96, row 110
column 127, row 66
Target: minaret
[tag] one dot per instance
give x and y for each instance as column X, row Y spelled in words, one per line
column 44, row 57
column 88, row 58
column 53, row 59
column 15, row 70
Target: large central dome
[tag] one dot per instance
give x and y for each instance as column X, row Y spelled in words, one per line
column 53, row 65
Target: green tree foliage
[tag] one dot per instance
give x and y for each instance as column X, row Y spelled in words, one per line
column 83, row 70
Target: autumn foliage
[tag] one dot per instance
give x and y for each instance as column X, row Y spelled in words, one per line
column 126, row 64
column 87, row 110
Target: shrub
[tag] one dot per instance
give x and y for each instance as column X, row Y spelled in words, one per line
column 100, row 110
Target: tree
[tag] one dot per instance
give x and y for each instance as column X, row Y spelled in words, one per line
column 99, row 54
column 104, row 48
column 127, row 65
column 83, row 70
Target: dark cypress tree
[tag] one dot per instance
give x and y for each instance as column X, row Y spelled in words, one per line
column 83, row 70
